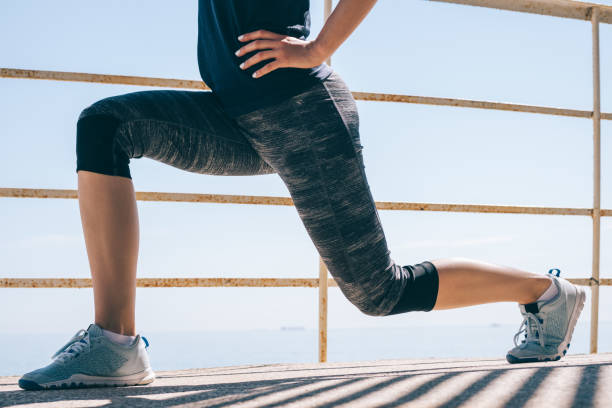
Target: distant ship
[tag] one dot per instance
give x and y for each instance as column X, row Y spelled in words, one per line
column 292, row 328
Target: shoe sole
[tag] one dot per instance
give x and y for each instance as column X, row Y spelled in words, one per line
column 87, row 381
column 564, row 345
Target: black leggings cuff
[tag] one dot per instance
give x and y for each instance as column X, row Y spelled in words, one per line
column 122, row 171
column 96, row 148
column 421, row 291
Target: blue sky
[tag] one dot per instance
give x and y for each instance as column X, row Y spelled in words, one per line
column 412, row 153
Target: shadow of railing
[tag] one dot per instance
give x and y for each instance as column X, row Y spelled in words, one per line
column 333, row 390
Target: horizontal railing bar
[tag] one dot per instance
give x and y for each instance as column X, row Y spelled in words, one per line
column 102, row 78
column 590, row 282
column 557, row 8
column 206, row 282
column 466, row 103
column 364, row 96
column 478, row 208
column 286, row 201
column 168, row 282
column 153, row 196
column 77, row 283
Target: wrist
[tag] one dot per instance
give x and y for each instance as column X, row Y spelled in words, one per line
column 319, row 51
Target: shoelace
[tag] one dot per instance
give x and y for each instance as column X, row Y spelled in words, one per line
column 78, row 343
column 532, row 332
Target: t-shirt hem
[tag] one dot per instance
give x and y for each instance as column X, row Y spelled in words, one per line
column 319, row 75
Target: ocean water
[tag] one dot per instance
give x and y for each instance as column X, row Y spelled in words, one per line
column 20, row 353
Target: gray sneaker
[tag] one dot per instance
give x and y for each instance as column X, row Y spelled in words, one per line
column 548, row 326
column 90, row 359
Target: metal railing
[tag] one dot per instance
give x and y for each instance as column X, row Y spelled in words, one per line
column 560, row 8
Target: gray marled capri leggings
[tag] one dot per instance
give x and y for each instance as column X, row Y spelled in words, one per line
column 310, row 140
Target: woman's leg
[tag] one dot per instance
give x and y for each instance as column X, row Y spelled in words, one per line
column 184, row 129
column 109, row 217
column 312, row 141
column 463, row 282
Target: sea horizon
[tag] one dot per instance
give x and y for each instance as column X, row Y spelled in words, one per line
column 177, row 350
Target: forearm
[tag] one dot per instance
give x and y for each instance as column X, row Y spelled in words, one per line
column 345, row 18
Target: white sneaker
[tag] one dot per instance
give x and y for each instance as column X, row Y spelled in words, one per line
column 549, row 325
column 90, row 359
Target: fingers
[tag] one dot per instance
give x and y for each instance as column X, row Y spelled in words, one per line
column 266, row 69
column 260, row 35
column 260, row 56
column 269, row 46
column 257, row 45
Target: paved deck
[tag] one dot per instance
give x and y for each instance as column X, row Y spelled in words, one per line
column 576, row 381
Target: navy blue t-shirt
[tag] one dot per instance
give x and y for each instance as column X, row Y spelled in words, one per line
column 220, row 22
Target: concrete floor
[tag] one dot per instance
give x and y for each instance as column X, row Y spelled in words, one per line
column 576, row 381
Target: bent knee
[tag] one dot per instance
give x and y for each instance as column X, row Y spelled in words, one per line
column 97, row 149
column 417, row 292
column 365, row 298
column 371, row 309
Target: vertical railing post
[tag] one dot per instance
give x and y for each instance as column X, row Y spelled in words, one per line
column 322, row 268
column 326, row 12
column 596, row 181
column 322, row 311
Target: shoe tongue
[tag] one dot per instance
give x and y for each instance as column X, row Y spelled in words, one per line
column 94, row 330
column 531, row 308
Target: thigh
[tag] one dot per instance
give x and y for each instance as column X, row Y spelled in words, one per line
column 184, row 129
column 312, row 142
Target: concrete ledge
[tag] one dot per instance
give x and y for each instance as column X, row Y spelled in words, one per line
column 576, row 381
